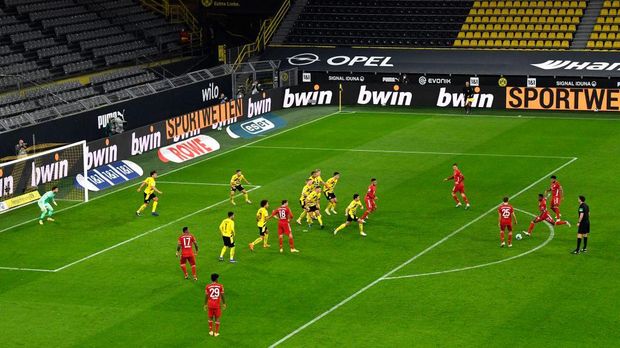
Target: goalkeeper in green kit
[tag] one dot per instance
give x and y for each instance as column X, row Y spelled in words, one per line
column 46, row 207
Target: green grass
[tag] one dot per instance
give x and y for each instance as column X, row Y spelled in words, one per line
column 135, row 295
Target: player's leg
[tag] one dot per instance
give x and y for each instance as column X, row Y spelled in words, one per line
column 154, row 207
column 360, row 223
column 266, row 239
column 319, row 217
column 50, row 211
column 147, row 199
column 309, row 217
column 464, row 196
column 192, row 262
column 342, row 226
column 334, row 203
column 585, row 242
column 232, row 250
column 261, row 232
column 280, row 235
column 217, row 322
column 501, row 236
column 579, row 237
column 184, row 266
column 246, row 196
column 455, row 197
column 509, row 235
column 232, row 196
column 43, row 213
column 557, row 222
column 211, row 321
column 303, row 212
column 224, row 248
column 291, row 242
column 532, row 224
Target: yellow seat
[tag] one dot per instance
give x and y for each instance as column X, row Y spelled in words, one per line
column 598, row 44
column 521, row 27
column 607, row 28
column 564, row 44
column 494, row 35
column 518, row 35
column 469, row 35
column 521, row 12
column 565, row 4
column 557, row 44
column 522, row 44
column 486, row 4
column 465, row 43
column 548, row 44
column 510, row 35
column 547, row 27
column 551, row 36
column 611, row 36
column 514, row 27
column 617, row 20
column 604, row 12
column 594, row 36
column 615, row 28
column 602, row 36
column 515, row 43
column 531, row 27
column 568, row 36
column 574, row 20
column 457, row 43
column 477, row 35
column 590, row 44
column 485, row 35
column 616, row 45
column 529, row 12
column 501, row 35
column 572, row 27
column 527, row 35
column 536, row 35
column 606, row 3
column 608, row 45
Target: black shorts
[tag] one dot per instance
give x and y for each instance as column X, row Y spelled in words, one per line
column 330, row 196
column 302, row 203
column 313, row 209
column 228, row 242
column 237, row 188
column 583, row 228
column 148, row 198
column 351, row 218
column 262, row 230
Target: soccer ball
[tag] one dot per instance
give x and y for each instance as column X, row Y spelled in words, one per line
column 518, row 236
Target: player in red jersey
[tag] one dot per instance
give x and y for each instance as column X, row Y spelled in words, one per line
column 459, row 186
column 556, row 196
column 506, row 216
column 544, row 216
column 284, row 216
column 184, row 245
column 214, row 303
column 370, row 199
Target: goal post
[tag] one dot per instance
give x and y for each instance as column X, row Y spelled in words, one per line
column 24, row 179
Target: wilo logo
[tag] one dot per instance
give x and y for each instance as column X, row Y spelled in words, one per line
column 145, row 143
column 458, row 99
column 102, row 120
column 49, row 172
column 315, row 97
column 384, row 97
column 101, row 156
column 258, row 107
column 6, row 184
column 211, row 92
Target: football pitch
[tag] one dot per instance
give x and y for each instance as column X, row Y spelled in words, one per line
column 427, row 274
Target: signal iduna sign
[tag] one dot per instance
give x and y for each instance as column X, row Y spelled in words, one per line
column 188, row 149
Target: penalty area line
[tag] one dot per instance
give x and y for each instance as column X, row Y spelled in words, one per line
column 547, row 241
column 413, row 258
column 200, row 183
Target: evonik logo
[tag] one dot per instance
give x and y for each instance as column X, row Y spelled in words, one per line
column 101, row 156
column 572, row 65
column 481, row 100
column 395, row 97
column 49, row 172
column 145, row 143
column 306, row 98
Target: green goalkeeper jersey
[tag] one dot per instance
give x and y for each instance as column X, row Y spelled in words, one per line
column 48, row 197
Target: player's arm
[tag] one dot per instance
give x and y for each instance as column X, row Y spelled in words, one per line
column 196, row 247
column 206, row 306
column 223, row 301
column 245, row 180
column 514, row 217
column 581, row 214
column 54, row 201
column 156, row 190
column 548, row 192
column 449, row 178
column 178, row 249
column 141, row 186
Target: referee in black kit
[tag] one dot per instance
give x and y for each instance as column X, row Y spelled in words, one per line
column 583, row 226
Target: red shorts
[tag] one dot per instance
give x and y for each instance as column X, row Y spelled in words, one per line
column 284, row 228
column 555, row 201
column 459, row 188
column 544, row 217
column 505, row 226
column 189, row 258
column 370, row 203
column 215, row 312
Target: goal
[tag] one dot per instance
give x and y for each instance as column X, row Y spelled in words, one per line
column 23, row 179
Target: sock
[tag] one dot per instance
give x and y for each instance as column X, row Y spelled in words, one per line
column 280, row 238
column 290, row 241
column 585, row 242
column 333, row 206
column 531, row 228
column 341, row 227
column 509, row 238
column 210, row 325
column 558, row 223
column 193, row 271
column 301, row 216
column 501, row 236
column 309, row 219
column 42, row 215
column 361, row 227
column 142, row 207
column 257, row 240
column 265, row 239
column 223, row 251
column 456, row 199
column 184, row 268
column 232, row 253
column 465, row 198
column 154, row 206
column 320, row 218
column 365, row 215
column 557, row 212
column 578, row 243
column 247, row 197
column 217, row 326
column 232, row 197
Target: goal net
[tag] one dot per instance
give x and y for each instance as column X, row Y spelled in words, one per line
column 24, row 179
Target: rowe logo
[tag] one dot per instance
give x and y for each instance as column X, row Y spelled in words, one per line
column 6, row 185
column 188, row 149
column 571, row 65
column 101, row 156
column 145, row 143
column 49, row 172
column 395, row 97
column 458, row 99
column 315, row 97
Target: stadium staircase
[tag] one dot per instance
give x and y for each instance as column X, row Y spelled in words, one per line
column 297, row 6
column 587, row 24
column 178, row 13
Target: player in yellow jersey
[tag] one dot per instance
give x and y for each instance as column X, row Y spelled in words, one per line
column 315, row 175
column 313, row 207
column 149, row 194
column 227, row 229
column 235, row 185
column 305, row 191
column 351, row 216
column 330, row 185
column 261, row 221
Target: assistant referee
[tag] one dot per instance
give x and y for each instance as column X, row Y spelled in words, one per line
column 583, row 226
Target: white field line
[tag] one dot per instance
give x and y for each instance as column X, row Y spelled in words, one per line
column 430, row 113
column 27, row 269
column 147, row 233
column 180, row 168
column 551, row 235
column 407, row 152
column 200, row 183
column 413, row 258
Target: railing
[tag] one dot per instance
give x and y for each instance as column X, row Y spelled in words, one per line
column 267, row 29
column 162, row 6
column 178, row 13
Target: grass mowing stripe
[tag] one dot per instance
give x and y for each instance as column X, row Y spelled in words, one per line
column 147, row 233
column 200, row 183
column 408, row 152
column 547, row 241
column 183, row 167
column 397, row 268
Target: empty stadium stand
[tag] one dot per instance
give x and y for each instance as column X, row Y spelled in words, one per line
column 606, row 32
